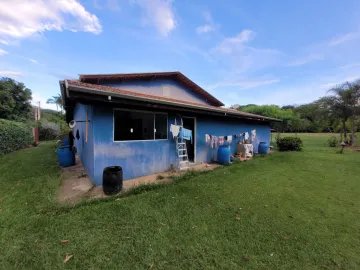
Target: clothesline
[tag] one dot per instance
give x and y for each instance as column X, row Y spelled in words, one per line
column 213, row 141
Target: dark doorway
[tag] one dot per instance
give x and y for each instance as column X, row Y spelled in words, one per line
column 189, row 123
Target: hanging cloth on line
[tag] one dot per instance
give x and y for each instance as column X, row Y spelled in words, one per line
column 175, row 129
column 207, row 138
column 186, row 134
column 229, row 138
column 221, row 140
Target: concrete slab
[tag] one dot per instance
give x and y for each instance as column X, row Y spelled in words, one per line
column 76, row 186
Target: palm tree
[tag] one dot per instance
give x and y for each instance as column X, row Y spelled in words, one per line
column 343, row 104
column 57, row 100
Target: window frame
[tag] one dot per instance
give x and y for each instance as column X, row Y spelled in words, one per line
column 142, row 111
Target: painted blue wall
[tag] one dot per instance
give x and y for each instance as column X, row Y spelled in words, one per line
column 139, row 158
column 85, row 149
column 155, row 87
column 224, row 127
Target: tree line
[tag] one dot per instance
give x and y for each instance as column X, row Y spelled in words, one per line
column 338, row 111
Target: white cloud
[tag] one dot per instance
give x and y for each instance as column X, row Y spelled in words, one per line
column 343, row 39
column 306, row 60
column 245, row 83
column 10, row 73
column 36, row 97
column 2, row 52
column 33, row 61
column 112, row 5
column 158, row 13
column 204, row 29
column 229, row 45
column 4, row 42
column 351, row 66
column 209, row 26
column 22, row 19
column 234, row 53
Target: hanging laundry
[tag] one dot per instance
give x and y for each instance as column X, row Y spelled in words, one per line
column 253, row 135
column 175, row 129
column 229, row 138
column 221, row 140
column 77, row 134
column 186, row 134
column 207, row 138
column 235, row 136
column 246, row 136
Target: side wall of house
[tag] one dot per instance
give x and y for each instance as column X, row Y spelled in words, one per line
column 85, row 149
column 139, row 158
column 225, row 127
column 161, row 87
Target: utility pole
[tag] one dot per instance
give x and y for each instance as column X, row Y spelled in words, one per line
column 38, row 112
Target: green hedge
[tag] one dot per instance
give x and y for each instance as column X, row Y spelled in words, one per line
column 14, row 136
column 289, row 144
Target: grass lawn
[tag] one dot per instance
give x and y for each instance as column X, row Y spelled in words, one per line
column 283, row 211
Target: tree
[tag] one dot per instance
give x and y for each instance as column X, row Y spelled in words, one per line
column 339, row 105
column 14, row 100
column 57, row 100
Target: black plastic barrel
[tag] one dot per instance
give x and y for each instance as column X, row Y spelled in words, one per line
column 112, row 180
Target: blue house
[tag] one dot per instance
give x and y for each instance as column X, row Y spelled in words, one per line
column 125, row 120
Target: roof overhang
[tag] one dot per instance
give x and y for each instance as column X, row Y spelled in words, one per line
column 72, row 89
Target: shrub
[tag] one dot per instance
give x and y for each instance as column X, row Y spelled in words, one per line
column 332, row 141
column 49, row 130
column 14, row 136
column 289, row 144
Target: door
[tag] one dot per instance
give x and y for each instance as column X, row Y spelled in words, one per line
column 189, row 123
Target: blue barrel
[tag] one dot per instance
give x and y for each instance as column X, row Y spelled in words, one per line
column 65, row 156
column 223, row 155
column 65, row 141
column 263, row 148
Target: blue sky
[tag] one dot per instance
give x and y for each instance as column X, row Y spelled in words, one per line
column 264, row 52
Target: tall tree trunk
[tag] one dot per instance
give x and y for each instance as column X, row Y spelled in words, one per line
column 344, row 130
column 353, row 139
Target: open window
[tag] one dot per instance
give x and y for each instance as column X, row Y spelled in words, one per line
column 139, row 125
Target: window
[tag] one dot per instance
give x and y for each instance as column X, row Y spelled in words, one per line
column 137, row 126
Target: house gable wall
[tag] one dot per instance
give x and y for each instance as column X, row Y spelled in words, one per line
column 160, row 87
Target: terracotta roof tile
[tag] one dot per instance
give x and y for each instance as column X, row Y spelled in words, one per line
column 175, row 75
column 177, row 102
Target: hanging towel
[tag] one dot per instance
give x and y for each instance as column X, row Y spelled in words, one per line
column 221, row 140
column 253, row 135
column 186, row 134
column 229, row 138
column 174, row 129
column 207, row 138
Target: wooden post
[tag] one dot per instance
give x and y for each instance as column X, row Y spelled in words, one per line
column 86, row 125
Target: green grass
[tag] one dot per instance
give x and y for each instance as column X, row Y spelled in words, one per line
column 283, row 211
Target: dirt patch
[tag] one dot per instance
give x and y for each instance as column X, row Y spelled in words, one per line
column 76, row 186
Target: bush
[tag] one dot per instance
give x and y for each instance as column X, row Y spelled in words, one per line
column 49, row 130
column 14, row 136
column 289, row 144
column 332, row 141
